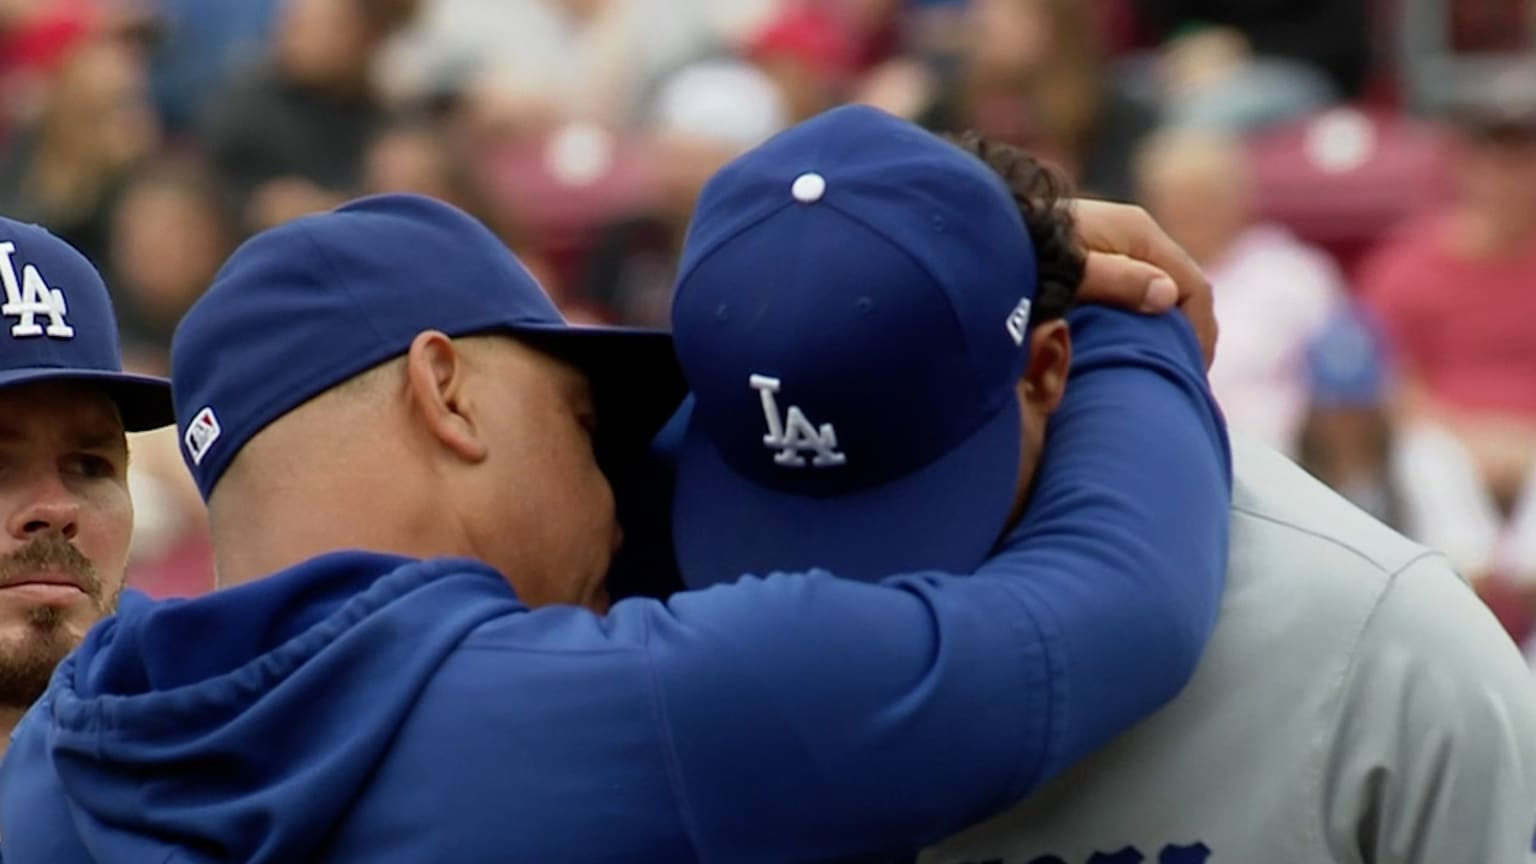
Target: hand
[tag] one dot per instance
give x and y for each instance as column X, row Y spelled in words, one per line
column 1134, row 264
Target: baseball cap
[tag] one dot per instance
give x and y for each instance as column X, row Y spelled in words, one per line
column 57, row 324
column 1346, row 363
column 852, row 317
column 316, row 301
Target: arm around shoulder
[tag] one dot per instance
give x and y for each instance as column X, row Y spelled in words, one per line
column 814, row 718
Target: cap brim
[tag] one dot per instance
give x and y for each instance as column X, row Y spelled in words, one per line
column 634, row 375
column 946, row 516
column 144, row 401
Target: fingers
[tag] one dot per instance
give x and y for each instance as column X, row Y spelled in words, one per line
column 1117, row 280
column 1113, row 233
column 1125, row 229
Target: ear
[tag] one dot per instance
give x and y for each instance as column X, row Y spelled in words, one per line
column 1050, row 359
column 437, row 373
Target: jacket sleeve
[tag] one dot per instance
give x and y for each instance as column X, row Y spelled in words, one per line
column 813, row 718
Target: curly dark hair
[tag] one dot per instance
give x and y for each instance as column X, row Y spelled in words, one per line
column 1044, row 197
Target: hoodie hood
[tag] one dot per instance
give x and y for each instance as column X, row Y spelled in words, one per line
column 158, row 742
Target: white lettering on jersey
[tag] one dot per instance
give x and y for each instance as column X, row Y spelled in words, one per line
column 795, row 435
column 29, row 296
column 1018, row 321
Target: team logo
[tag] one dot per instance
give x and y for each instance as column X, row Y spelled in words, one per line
column 793, row 435
column 1018, row 322
column 27, row 297
column 201, row 433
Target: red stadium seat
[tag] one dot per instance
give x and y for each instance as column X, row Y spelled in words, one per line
column 559, row 188
column 1344, row 177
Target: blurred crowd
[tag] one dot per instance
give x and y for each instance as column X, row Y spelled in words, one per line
column 1358, row 177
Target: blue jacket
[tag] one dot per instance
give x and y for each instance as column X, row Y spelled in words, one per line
column 367, row 708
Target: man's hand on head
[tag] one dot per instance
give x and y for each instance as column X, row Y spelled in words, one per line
column 1134, row 264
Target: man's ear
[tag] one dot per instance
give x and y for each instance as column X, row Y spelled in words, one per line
column 437, row 373
column 1050, row 360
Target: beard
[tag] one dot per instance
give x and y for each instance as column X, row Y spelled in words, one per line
column 48, row 634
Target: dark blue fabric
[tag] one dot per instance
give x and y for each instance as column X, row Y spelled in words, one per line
column 373, row 709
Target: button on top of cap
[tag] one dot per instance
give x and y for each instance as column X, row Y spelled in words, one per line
column 809, row 187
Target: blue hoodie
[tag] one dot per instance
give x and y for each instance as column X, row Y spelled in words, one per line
column 368, row 708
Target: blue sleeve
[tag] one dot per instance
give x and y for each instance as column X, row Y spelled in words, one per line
column 813, row 718
column 1167, row 463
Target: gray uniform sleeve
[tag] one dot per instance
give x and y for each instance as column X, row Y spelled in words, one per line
column 1434, row 757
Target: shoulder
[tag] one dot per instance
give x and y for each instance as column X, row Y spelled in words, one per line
column 1431, row 635
column 1290, row 512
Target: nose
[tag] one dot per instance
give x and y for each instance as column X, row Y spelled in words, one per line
column 49, row 507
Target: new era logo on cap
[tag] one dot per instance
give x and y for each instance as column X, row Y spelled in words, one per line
column 201, row 433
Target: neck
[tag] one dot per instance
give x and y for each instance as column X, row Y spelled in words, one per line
column 302, row 518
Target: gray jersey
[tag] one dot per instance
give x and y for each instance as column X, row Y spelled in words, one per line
column 1357, row 704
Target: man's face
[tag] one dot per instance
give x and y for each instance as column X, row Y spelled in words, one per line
column 68, row 522
column 551, row 507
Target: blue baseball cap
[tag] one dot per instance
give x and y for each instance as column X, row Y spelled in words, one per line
column 852, row 317
column 316, row 301
column 57, row 324
column 1346, row 362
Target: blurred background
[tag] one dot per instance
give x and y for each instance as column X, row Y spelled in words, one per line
column 1358, row 177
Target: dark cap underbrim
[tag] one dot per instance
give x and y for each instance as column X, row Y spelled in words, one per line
column 144, row 401
column 636, row 382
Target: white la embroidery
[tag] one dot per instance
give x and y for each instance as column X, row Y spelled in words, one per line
column 795, row 435
column 28, row 297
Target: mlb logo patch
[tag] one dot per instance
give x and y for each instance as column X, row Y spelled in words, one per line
column 201, row 433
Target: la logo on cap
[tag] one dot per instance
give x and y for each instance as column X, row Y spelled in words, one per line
column 201, row 433
column 795, row 435
column 27, row 296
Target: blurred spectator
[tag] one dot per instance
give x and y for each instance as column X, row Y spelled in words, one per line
column 1332, row 36
column 1212, row 79
column 64, row 166
column 1346, row 437
column 291, row 135
column 1457, row 292
column 416, row 155
column 810, row 50
column 532, row 63
column 1416, row 477
column 1032, row 74
column 706, row 115
column 171, row 230
column 204, row 42
column 1273, row 293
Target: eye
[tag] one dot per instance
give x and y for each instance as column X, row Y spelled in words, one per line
column 93, row 466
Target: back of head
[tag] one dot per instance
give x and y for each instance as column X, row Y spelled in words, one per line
column 330, row 359
column 1043, row 195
